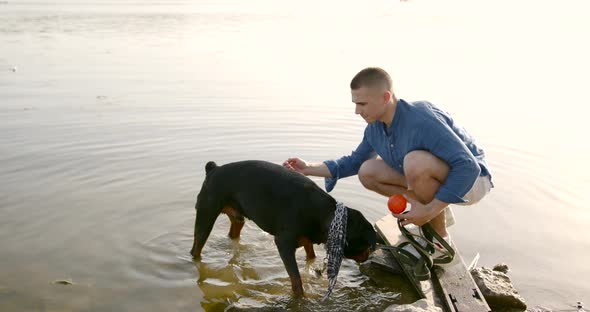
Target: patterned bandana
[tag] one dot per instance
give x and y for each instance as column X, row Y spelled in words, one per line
column 335, row 246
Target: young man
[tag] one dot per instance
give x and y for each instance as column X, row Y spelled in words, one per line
column 414, row 149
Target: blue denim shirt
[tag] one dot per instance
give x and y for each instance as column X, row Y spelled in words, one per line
column 418, row 126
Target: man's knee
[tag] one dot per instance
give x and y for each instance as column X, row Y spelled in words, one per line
column 367, row 173
column 420, row 165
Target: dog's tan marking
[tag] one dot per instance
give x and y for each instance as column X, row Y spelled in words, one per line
column 307, row 245
column 237, row 222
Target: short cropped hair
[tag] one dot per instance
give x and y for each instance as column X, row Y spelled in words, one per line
column 371, row 77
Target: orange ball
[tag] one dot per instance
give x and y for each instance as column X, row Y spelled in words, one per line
column 397, row 203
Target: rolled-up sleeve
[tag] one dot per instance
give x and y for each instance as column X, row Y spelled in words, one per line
column 348, row 165
column 464, row 169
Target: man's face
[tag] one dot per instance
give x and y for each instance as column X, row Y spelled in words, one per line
column 370, row 103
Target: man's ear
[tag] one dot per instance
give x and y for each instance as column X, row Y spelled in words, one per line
column 387, row 96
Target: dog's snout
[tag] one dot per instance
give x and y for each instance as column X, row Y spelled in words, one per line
column 362, row 257
column 195, row 252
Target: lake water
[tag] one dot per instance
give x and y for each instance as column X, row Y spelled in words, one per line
column 109, row 111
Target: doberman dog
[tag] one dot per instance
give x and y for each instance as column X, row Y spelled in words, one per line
column 281, row 202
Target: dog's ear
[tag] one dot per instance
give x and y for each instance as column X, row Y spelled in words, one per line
column 210, row 166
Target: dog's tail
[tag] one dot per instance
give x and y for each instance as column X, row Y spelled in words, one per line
column 210, row 166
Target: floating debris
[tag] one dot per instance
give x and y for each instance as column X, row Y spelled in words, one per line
column 64, row 282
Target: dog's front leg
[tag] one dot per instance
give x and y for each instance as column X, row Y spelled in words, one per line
column 287, row 246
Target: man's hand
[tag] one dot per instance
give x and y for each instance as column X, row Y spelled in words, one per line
column 421, row 214
column 296, row 164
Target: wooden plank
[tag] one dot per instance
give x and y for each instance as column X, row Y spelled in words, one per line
column 458, row 287
column 388, row 230
column 452, row 288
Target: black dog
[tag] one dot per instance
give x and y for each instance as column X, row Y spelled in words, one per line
column 281, row 202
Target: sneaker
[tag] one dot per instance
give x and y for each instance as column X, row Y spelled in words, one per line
column 435, row 248
column 412, row 250
column 441, row 253
column 416, row 231
column 439, row 246
column 439, row 249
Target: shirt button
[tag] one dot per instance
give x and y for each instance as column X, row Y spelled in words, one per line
column 391, row 145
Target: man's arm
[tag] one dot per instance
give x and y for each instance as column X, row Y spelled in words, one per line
column 308, row 169
column 333, row 170
column 420, row 213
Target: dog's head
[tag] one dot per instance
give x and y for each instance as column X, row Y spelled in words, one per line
column 361, row 237
column 203, row 201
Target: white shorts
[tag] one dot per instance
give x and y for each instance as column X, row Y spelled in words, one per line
column 479, row 190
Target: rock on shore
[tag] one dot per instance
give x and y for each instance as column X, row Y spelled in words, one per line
column 497, row 289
